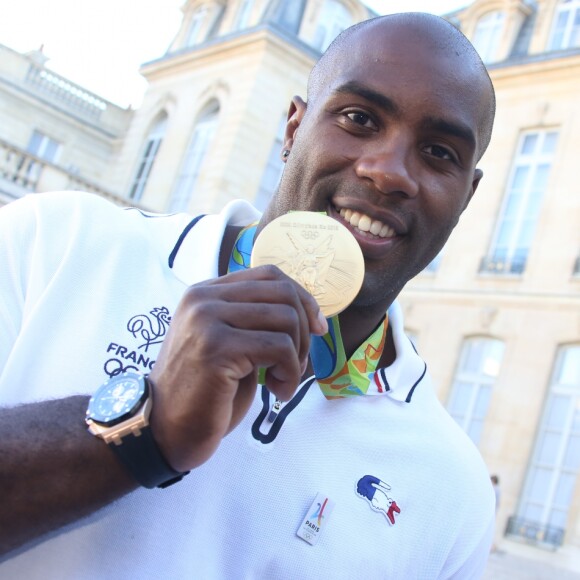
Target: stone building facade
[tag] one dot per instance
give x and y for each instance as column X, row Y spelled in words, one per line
column 210, row 125
column 54, row 134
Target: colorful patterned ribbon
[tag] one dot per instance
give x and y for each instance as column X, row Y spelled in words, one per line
column 336, row 375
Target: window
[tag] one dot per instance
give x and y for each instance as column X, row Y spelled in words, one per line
column 43, row 146
column 198, row 146
column 287, row 15
column 333, row 19
column 553, row 472
column 27, row 169
column 487, row 35
column 566, row 29
column 243, row 15
column 273, row 171
column 522, row 202
column 148, row 155
column 195, row 26
column 476, row 374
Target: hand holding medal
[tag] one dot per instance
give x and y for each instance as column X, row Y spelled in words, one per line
column 323, row 257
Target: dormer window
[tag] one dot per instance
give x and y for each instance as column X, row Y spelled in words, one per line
column 194, row 35
column 487, row 35
column 566, row 29
column 243, row 15
column 285, row 14
column 333, row 19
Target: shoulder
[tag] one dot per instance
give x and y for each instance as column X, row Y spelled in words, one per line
column 47, row 227
column 64, row 209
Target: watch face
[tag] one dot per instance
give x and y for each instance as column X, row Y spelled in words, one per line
column 117, row 399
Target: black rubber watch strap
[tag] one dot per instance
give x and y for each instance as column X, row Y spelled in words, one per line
column 141, row 456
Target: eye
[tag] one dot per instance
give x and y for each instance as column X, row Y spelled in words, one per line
column 361, row 119
column 440, row 152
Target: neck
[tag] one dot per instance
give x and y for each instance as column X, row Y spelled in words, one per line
column 356, row 326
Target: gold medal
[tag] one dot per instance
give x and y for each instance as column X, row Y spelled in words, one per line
column 317, row 252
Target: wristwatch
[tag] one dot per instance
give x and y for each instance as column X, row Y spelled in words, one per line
column 118, row 413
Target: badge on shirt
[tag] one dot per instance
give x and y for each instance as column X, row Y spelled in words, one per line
column 375, row 491
column 316, row 519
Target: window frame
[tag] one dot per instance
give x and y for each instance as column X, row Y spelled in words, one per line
column 274, row 167
column 199, row 144
column 547, row 531
column 487, row 35
column 339, row 17
column 517, row 249
column 473, row 383
column 147, row 158
column 243, row 14
column 40, row 150
column 562, row 37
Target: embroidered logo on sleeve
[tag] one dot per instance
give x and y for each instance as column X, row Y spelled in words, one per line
column 375, row 491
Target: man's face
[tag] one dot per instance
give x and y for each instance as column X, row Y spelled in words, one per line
column 388, row 148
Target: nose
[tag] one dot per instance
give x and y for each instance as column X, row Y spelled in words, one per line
column 388, row 165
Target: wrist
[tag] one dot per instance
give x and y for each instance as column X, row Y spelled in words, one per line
column 119, row 413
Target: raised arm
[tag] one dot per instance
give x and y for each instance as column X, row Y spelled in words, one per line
column 52, row 471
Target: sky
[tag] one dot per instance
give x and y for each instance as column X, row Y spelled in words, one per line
column 100, row 45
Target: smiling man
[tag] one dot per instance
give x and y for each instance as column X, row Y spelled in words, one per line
column 398, row 112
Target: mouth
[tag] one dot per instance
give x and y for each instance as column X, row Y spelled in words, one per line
column 376, row 234
column 366, row 225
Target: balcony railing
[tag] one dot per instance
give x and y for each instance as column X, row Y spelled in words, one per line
column 535, row 533
column 19, row 168
column 21, row 173
column 501, row 266
column 65, row 92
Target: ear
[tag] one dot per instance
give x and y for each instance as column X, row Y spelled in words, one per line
column 477, row 175
column 295, row 114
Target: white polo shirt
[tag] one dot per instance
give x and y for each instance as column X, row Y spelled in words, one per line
column 89, row 289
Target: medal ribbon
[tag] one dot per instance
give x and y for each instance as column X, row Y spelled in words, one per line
column 336, row 375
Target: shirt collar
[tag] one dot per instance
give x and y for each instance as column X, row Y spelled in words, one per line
column 400, row 379
column 196, row 251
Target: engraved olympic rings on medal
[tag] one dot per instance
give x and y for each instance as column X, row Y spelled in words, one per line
column 317, row 252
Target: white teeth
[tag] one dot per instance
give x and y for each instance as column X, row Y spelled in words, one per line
column 366, row 224
column 386, row 231
column 376, row 227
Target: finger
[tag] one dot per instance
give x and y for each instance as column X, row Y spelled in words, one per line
column 316, row 320
column 278, row 307
column 242, row 400
column 253, row 301
column 269, row 317
column 247, row 350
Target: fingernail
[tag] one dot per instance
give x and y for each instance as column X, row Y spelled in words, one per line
column 322, row 323
column 304, row 366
